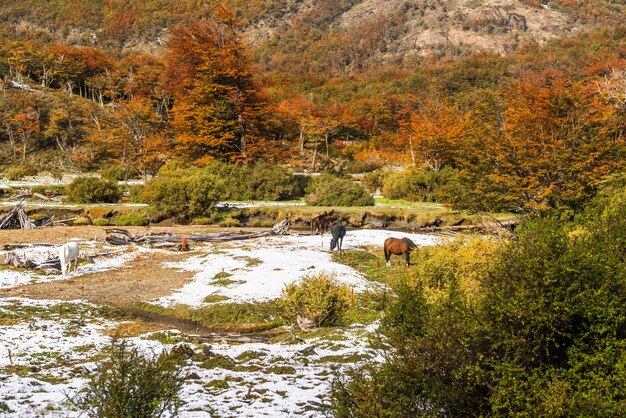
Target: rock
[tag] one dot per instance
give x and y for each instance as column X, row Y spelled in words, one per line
column 307, row 351
column 192, row 376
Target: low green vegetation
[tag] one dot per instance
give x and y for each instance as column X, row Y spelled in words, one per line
column 132, row 219
column 129, row 384
column 19, row 172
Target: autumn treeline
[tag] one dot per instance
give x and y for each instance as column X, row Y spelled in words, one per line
column 538, row 129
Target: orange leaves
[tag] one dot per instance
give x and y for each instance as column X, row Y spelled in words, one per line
column 435, row 132
column 548, row 150
column 217, row 109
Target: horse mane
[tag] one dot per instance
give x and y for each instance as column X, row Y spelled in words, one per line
column 409, row 242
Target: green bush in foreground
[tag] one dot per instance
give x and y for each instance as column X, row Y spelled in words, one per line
column 539, row 331
column 93, row 190
column 318, row 297
column 129, row 384
column 330, row 190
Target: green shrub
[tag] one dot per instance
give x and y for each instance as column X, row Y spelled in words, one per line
column 374, row 181
column 129, row 384
column 56, row 174
column 118, row 173
column 418, row 185
column 101, row 222
column 272, row 182
column 535, row 328
column 229, row 223
column 330, row 190
column 318, row 297
column 19, row 172
column 194, row 194
column 235, row 177
column 93, row 190
column 361, row 166
column 201, row 220
column 132, row 219
column 49, row 190
column 135, row 192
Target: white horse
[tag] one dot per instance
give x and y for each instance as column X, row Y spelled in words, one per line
column 67, row 253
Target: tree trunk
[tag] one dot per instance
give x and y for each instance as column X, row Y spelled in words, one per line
column 411, row 149
column 326, row 139
column 314, row 158
column 301, row 138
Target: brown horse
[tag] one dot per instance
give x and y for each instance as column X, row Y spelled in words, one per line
column 326, row 221
column 315, row 225
column 322, row 222
column 397, row 246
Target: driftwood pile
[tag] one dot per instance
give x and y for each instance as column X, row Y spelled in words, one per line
column 13, row 258
column 169, row 240
column 16, row 219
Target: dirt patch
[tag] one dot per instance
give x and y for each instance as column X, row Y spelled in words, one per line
column 142, row 279
column 62, row 234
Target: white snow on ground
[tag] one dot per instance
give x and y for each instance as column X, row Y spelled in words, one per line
column 287, row 383
column 258, row 204
column 49, row 350
column 260, row 268
column 38, row 253
column 53, row 344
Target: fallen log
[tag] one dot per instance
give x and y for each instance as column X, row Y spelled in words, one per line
column 118, row 236
column 489, row 227
column 42, row 197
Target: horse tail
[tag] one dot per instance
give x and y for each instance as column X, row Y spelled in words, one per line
column 387, row 255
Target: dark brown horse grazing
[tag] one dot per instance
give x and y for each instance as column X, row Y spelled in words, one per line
column 338, row 231
column 398, row 246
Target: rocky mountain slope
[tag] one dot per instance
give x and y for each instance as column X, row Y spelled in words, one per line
column 354, row 33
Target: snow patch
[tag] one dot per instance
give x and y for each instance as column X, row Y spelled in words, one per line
column 257, row 270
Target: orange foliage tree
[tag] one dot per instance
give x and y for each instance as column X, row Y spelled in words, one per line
column 434, row 133
column 218, row 111
column 544, row 148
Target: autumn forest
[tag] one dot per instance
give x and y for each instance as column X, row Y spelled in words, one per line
column 535, row 129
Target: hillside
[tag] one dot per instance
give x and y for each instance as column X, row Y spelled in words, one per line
column 337, row 35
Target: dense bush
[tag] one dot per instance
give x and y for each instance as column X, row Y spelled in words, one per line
column 129, row 384
column 132, row 219
column 119, row 173
column 236, row 178
column 417, row 185
column 273, row 182
column 536, row 329
column 263, row 181
column 374, row 181
column 330, row 190
column 193, row 194
column 320, row 298
column 93, row 190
